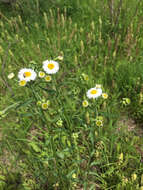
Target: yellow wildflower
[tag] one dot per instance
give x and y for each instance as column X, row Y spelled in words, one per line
column 85, row 103
column 22, row 83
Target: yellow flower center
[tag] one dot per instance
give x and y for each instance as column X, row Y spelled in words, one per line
column 51, row 66
column 93, row 92
column 22, row 83
column 27, row 74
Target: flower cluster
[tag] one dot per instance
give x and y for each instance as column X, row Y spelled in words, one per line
column 27, row 74
column 99, row 121
column 51, row 67
column 96, row 92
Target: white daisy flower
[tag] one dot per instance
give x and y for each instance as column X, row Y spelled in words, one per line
column 104, row 95
column 99, row 123
column 45, row 106
column 50, row 67
column 48, row 78
column 94, row 92
column 85, row 103
column 41, row 74
column 27, row 74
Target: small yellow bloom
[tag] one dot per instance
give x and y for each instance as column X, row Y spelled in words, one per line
column 85, row 103
column 59, row 122
column 48, row 78
column 99, row 123
column 141, row 188
column 74, row 176
column 75, row 135
column 105, row 95
column 41, row 74
column 44, row 106
column 56, row 185
column 22, row 83
column 134, row 177
column 39, row 103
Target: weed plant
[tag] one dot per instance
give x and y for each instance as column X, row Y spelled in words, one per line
column 53, row 134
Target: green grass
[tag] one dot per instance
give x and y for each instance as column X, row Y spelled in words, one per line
column 62, row 147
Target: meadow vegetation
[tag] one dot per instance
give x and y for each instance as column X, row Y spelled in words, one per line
column 62, row 130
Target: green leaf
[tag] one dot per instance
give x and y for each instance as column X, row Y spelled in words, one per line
column 2, row 177
column 92, row 187
column 60, row 155
column 35, row 147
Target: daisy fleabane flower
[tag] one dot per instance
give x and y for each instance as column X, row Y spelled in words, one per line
column 104, row 95
column 85, row 103
column 22, row 83
column 94, row 92
column 50, row 67
column 27, row 74
column 41, row 74
column 48, row 78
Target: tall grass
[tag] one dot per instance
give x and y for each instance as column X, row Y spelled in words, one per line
column 63, row 147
